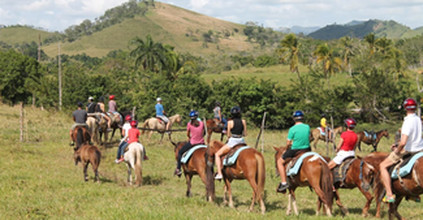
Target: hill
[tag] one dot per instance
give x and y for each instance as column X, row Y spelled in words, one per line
column 389, row 29
column 23, row 34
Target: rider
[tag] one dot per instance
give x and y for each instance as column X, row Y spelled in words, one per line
column 112, row 104
column 218, row 118
column 298, row 141
column 124, row 142
column 411, row 141
column 79, row 117
column 160, row 113
column 237, row 129
column 346, row 145
column 100, row 108
column 324, row 126
column 195, row 133
column 91, row 105
column 133, row 136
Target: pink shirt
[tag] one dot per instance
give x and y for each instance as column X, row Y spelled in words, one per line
column 112, row 106
column 196, row 133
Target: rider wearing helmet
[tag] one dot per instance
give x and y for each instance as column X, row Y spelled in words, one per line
column 124, row 142
column 160, row 113
column 298, row 141
column 411, row 141
column 133, row 136
column 80, row 118
column 195, row 133
column 112, row 104
column 346, row 145
column 91, row 105
column 237, row 129
column 218, row 117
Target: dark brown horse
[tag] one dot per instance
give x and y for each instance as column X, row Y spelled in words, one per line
column 80, row 136
column 196, row 166
column 88, row 154
column 315, row 173
column 249, row 166
column 213, row 127
column 316, row 136
column 361, row 137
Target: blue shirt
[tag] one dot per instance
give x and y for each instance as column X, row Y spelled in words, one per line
column 159, row 109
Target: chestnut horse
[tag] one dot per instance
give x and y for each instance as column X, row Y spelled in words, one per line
column 159, row 126
column 316, row 136
column 80, row 136
column 88, row 154
column 212, row 127
column 196, row 166
column 315, row 173
column 249, row 166
column 361, row 137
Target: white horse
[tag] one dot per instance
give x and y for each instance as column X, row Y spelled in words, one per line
column 93, row 129
column 156, row 124
column 133, row 158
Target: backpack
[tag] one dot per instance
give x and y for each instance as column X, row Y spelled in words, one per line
column 91, row 107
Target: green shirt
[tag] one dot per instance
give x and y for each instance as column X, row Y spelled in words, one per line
column 299, row 134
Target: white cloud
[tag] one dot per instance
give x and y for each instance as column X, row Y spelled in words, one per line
column 36, row 5
column 199, row 4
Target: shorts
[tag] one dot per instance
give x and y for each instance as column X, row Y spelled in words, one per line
column 341, row 155
column 395, row 158
column 164, row 118
column 290, row 153
column 232, row 142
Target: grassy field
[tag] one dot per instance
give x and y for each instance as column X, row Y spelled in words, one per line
column 39, row 180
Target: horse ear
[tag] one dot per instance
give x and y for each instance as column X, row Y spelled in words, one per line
column 276, row 149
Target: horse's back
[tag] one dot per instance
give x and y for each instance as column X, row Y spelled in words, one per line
column 135, row 145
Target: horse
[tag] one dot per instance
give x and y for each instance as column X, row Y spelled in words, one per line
column 409, row 186
column 133, row 157
column 103, row 129
column 249, row 166
column 80, row 136
column 196, row 166
column 316, row 136
column 212, row 127
column 93, row 128
column 154, row 124
column 361, row 137
column 88, row 154
column 117, row 121
column 314, row 173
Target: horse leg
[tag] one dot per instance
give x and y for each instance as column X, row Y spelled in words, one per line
column 253, row 184
column 113, row 134
column 209, row 133
column 288, row 208
column 229, row 188
column 188, row 178
column 129, row 175
column 393, row 208
column 369, row 199
column 339, row 203
column 85, row 171
column 161, row 139
column 319, row 205
column 294, row 201
column 225, row 195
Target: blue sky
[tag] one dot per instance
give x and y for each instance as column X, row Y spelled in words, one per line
column 57, row 15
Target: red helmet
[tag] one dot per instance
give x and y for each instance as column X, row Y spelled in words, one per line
column 134, row 123
column 350, row 123
column 111, row 97
column 128, row 118
column 410, row 104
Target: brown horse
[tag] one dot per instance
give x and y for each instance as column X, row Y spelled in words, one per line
column 409, row 186
column 196, row 166
column 88, row 154
column 80, row 136
column 154, row 124
column 361, row 137
column 249, row 166
column 213, row 127
column 316, row 136
column 315, row 173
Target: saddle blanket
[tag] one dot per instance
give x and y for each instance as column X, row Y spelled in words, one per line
column 230, row 160
column 340, row 171
column 405, row 170
column 370, row 135
column 322, row 132
column 294, row 169
column 188, row 154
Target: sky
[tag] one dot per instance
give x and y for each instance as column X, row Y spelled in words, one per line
column 57, row 15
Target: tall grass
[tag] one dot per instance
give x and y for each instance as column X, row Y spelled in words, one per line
column 38, row 179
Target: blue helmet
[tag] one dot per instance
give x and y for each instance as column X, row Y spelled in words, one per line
column 193, row 114
column 298, row 115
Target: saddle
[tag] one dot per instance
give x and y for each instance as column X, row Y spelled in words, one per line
column 187, row 155
column 340, row 171
column 231, row 153
column 371, row 135
column 161, row 120
column 294, row 165
column 405, row 165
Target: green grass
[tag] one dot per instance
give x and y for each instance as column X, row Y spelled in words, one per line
column 18, row 35
column 38, row 179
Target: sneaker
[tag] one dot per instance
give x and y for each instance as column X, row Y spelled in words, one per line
column 145, row 157
column 282, row 188
column 117, row 161
column 120, row 160
column 218, row 177
column 224, row 131
column 389, row 199
column 72, row 143
column 177, row 172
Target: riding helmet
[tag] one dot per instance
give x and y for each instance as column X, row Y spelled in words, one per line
column 236, row 110
column 111, row 97
column 91, row 98
column 410, row 104
column 159, row 99
column 193, row 114
column 128, row 118
column 134, row 123
column 350, row 123
column 298, row 115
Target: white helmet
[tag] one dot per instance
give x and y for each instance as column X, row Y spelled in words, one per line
column 159, row 99
column 91, row 98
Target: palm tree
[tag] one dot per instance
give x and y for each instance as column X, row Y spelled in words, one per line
column 371, row 40
column 288, row 51
column 331, row 64
column 347, row 43
column 149, row 54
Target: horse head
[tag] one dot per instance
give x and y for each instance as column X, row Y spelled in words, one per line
column 77, row 155
column 384, row 133
column 367, row 174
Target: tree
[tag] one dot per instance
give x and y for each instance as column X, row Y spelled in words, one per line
column 288, row 51
column 347, row 44
column 330, row 63
column 371, row 40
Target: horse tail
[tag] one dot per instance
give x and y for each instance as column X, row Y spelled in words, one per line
column 144, row 125
column 138, row 171
column 326, row 183
column 79, row 137
column 261, row 174
column 210, row 187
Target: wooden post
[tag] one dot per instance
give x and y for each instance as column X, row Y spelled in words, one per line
column 333, row 136
column 60, row 79
column 21, row 137
column 261, row 130
column 133, row 112
column 205, row 125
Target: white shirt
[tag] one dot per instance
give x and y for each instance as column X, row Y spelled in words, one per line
column 412, row 127
column 126, row 128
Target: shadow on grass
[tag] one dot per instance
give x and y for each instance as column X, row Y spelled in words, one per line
column 154, row 180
